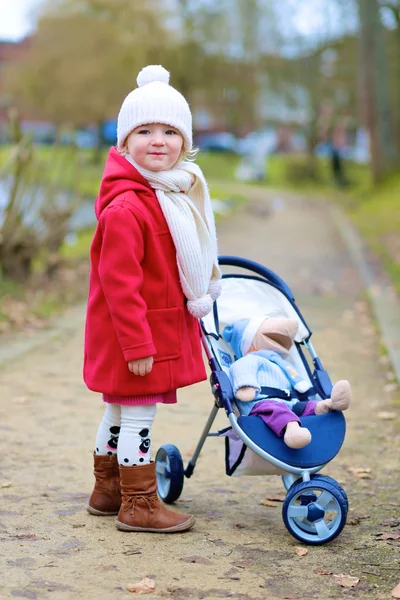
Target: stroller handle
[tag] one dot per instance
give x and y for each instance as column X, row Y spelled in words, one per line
column 250, row 265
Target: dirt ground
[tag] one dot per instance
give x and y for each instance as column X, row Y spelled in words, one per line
column 239, row 548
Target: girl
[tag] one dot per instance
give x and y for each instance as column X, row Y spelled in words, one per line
column 154, row 272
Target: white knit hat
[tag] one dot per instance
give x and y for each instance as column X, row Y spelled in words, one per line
column 155, row 101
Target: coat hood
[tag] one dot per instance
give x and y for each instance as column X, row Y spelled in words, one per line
column 119, row 176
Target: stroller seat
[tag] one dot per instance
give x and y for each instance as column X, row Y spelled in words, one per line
column 327, row 431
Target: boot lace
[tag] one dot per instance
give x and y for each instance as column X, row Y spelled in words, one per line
column 150, row 501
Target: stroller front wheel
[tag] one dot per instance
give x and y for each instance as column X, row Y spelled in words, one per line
column 169, row 473
column 314, row 512
column 289, row 481
column 335, row 484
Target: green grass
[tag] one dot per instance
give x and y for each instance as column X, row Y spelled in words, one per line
column 79, row 249
column 218, row 166
column 376, row 214
column 47, row 306
column 8, row 288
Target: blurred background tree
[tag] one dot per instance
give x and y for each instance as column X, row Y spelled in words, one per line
column 317, row 77
column 375, row 88
column 83, row 59
column 228, row 57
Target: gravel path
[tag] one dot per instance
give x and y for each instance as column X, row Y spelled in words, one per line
column 51, row 548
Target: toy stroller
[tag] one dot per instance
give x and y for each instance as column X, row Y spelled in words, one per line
column 315, row 508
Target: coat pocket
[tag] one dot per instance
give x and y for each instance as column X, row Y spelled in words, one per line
column 166, row 328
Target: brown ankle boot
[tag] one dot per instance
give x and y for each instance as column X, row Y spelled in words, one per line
column 141, row 509
column 106, row 496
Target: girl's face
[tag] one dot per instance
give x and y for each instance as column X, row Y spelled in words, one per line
column 155, row 146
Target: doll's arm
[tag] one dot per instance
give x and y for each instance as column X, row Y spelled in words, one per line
column 244, row 374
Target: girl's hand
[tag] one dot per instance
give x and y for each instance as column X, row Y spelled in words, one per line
column 142, row 366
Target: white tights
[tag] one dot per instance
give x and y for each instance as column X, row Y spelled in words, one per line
column 126, row 431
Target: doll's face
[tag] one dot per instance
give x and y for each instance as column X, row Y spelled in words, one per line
column 273, row 341
column 155, row 146
column 275, row 334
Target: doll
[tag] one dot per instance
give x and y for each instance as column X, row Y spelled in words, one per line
column 261, row 346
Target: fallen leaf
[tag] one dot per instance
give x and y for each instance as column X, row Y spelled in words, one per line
column 360, row 472
column 346, row 581
column 276, row 497
column 6, row 484
column 196, row 559
column 386, row 416
column 383, row 359
column 268, row 503
column 145, row 586
column 323, row 572
column 394, row 535
column 242, row 564
column 356, row 470
column 301, row 551
column 390, row 387
column 396, row 592
column 26, row 536
column 391, row 523
column 355, row 519
column 21, row 400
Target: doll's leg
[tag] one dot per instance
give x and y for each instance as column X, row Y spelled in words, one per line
column 296, row 436
column 310, row 408
column 284, row 422
column 108, row 432
column 340, row 399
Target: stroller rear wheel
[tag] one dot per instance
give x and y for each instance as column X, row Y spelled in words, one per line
column 315, row 511
column 169, row 473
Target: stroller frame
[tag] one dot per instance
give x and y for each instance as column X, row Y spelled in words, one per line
column 297, row 480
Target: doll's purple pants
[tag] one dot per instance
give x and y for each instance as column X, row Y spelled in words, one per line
column 277, row 415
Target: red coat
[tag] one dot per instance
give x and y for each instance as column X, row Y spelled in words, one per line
column 136, row 306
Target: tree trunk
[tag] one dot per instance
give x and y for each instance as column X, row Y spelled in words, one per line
column 375, row 91
column 98, row 149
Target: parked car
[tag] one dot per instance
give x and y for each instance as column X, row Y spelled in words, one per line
column 258, row 141
column 217, row 142
column 82, row 138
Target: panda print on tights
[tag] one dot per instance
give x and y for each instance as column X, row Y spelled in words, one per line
column 144, row 446
column 113, row 441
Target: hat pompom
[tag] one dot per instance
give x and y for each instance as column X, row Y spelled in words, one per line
column 152, row 73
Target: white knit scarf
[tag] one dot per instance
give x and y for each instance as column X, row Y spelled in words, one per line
column 185, row 202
